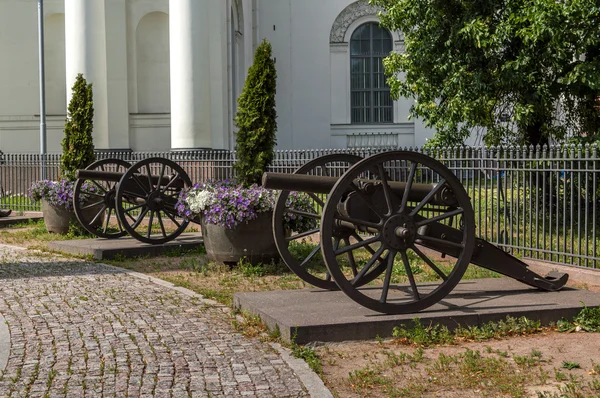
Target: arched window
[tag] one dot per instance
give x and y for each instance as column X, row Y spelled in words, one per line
column 370, row 95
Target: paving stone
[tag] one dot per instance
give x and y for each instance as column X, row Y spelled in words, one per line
column 97, row 331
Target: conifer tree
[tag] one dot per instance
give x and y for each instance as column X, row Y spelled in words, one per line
column 78, row 145
column 255, row 118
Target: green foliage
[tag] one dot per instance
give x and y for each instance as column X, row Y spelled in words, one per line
column 421, row 335
column 498, row 68
column 570, row 365
column 78, row 145
column 588, row 319
column 255, row 118
column 309, row 356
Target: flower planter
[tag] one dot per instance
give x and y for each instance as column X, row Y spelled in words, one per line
column 57, row 219
column 252, row 240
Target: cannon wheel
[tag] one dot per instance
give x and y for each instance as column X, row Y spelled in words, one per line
column 397, row 216
column 139, row 196
column 103, row 199
column 328, row 165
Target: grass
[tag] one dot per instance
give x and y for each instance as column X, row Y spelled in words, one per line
column 436, row 334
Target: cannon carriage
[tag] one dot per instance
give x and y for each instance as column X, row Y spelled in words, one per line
column 394, row 213
column 373, row 219
column 140, row 199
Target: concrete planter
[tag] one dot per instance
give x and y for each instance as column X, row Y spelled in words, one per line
column 253, row 241
column 57, row 219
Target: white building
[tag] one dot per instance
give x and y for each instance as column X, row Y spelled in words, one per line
column 166, row 73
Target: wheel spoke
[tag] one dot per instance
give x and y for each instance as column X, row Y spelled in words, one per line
column 351, row 259
column 92, row 194
column 408, row 187
column 357, row 245
column 376, row 256
column 98, row 185
column 149, row 232
column 387, row 192
column 160, row 176
column 441, row 241
column 97, row 216
column 105, row 227
column 365, row 199
column 302, row 235
column 132, row 208
column 173, row 179
column 139, row 183
column 150, row 184
column 358, row 238
column 162, row 226
column 310, row 255
column 429, row 262
column 439, row 217
column 388, row 276
column 410, row 275
column 89, row 206
column 316, row 198
column 140, row 218
column 303, row 213
column 428, row 197
column 173, row 219
column 130, row 194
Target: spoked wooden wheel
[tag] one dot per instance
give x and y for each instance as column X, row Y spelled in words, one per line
column 146, row 198
column 302, row 249
column 94, row 200
column 403, row 212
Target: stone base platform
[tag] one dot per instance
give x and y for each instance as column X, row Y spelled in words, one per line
column 106, row 249
column 314, row 315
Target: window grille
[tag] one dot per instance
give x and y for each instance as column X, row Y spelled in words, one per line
column 370, row 95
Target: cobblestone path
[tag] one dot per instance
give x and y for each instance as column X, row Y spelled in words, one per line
column 81, row 329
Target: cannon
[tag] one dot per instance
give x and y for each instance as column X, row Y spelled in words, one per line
column 397, row 216
column 141, row 198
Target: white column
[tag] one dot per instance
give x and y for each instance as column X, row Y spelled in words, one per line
column 189, row 31
column 85, row 52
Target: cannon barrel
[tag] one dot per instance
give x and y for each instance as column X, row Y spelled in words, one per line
column 114, row 176
column 324, row 185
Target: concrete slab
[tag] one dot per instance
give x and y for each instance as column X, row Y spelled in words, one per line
column 106, row 249
column 12, row 220
column 315, row 315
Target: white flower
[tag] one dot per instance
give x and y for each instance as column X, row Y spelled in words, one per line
column 198, row 201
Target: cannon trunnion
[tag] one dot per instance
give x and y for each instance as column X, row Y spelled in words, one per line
column 396, row 231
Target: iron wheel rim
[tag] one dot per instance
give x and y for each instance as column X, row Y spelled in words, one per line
column 417, row 303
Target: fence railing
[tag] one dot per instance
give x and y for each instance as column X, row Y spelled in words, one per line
column 539, row 203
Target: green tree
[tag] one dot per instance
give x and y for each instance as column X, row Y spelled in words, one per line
column 516, row 71
column 256, row 118
column 77, row 144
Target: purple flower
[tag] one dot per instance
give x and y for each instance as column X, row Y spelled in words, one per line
column 230, row 205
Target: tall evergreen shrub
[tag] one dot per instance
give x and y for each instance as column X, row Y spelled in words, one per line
column 78, row 145
column 255, row 118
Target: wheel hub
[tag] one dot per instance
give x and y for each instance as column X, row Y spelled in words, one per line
column 155, row 200
column 399, row 232
column 109, row 199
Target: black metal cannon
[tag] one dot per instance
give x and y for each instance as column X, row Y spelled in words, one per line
column 140, row 197
column 394, row 213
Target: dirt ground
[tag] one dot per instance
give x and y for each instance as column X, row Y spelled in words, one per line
column 532, row 366
column 425, row 379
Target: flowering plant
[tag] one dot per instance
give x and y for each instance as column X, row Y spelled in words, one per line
column 227, row 204
column 59, row 194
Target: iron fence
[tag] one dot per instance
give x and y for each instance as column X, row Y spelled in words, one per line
column 539, row 203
